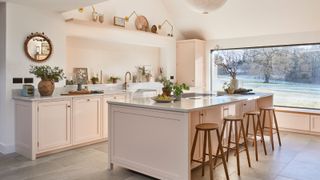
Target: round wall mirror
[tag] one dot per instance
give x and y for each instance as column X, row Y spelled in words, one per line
column 38, row 47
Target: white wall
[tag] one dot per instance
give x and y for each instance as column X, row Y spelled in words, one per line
column 112, row 58
column 21, row 21
column 2, row 70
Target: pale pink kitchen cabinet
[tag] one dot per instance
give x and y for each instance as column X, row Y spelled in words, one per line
column 190, row 62
column 86, row 119
column 53, row 125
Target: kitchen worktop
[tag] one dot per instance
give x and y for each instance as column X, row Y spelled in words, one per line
column 59, row 96
column 189, row 104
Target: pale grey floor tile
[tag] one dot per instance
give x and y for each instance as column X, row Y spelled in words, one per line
column 298, row 158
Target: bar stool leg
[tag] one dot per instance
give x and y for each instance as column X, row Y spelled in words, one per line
column 262, row 136
column 255, row 137
column 210, row 154
column 229, row 140
column 217, row 153
column 271, row 130
column 264, row 118
column 246, row 146
column 277, row 128
column 237, row 147
column 194, row 144
column 222, row 154
column 204, row 151
column 248, row 125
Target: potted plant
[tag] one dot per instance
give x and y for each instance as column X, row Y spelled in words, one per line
column 48, row 77
column 230, row 62
column 228, row 88
column 167, row 87
column 178, row 90
column 114, row 79
column 94, row 80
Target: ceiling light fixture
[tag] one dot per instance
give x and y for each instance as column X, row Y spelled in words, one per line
column 205, row 6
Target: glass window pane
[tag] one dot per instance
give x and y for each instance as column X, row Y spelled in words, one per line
column 292, row 73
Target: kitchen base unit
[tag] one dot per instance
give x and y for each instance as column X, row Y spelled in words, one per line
column 156, row 138
column 47, row 125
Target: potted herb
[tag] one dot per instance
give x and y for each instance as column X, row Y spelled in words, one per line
column 178, row 90
column 167, row 87
column 94, row 80
column 114, row 79
column 48, row 77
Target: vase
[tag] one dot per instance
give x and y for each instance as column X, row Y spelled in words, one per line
column 46, row 87
column 177, row 98
column 234, row 83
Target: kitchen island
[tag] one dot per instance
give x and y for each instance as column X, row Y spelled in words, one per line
column 155, row 138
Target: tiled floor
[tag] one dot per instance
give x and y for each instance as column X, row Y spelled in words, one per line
column 298, row 158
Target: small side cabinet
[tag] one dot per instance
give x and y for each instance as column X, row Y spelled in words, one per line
column 86, row 119
column 53, row 125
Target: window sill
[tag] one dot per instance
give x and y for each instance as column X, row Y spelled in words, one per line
column 298, row 110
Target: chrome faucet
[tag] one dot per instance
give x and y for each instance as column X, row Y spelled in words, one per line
column 125, row 80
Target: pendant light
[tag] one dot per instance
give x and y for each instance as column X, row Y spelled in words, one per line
column 205, row 6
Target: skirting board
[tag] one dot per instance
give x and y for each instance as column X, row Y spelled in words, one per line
column 7, row 149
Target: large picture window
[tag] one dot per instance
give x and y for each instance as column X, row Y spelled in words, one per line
column 291, row 72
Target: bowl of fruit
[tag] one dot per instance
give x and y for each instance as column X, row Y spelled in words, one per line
column 163, row 98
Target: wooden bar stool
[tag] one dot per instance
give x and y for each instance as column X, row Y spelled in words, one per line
column 207, row 128
column 256, row 125
column 263, row 111
column 234, row 120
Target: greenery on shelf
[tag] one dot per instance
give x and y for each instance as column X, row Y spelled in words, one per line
column 94, row 80
column 47, row 73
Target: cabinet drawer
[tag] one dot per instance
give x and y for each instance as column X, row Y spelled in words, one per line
column 293, row 121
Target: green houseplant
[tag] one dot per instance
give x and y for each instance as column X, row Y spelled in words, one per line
column 167, row 87
column 48, row 77
column 94, row 80
column 114, row 79
column 178, row 90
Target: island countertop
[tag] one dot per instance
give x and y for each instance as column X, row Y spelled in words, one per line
column 189, row 104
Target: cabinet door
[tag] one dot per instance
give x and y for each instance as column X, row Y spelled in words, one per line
column 186, row 63
column 53, row 125
column 86, row 119
column 315, row 123
column 293, row 120
column 104, row 126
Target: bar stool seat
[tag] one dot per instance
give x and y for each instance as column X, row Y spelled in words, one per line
column 234, row 121
column 207, row 128
column 253, row 113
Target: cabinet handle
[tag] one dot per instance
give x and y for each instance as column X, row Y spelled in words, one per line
column 68, row 106
column 88, row 100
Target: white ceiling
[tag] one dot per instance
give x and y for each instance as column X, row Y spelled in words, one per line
column 246, row 18
column 56, row 5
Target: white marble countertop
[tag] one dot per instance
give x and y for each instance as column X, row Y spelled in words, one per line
column 59, row 96
column 187, row 104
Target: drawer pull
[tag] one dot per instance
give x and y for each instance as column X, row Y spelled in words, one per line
column 88, row 100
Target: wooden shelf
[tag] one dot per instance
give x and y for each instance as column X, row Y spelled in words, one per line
column 120, row 30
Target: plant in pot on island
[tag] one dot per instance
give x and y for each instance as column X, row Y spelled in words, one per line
column 114, row 79
column 178, row 90
column 48, row 77
column 230, row 62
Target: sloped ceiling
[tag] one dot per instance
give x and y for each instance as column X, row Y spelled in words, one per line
column 56, row 5
column 246, row 18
